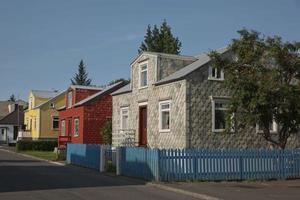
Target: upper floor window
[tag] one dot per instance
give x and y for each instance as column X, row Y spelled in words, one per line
column 63, row 128
column 164, row 115
column 143, row 75
column 124, row 118
column 55, row 123
column 52, row 105
column 215, row 74
column 30, row 102
column 219, row 109
column 69, row 99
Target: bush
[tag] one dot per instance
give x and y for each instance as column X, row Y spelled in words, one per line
column 107, row 132
column 24, row 145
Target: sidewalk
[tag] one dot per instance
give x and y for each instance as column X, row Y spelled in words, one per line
column 257, row 190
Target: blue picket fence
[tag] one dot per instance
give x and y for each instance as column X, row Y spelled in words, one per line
column 197, row 164
column 139, row 162
column 86, row 155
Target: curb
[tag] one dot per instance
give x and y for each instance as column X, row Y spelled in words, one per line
column 185, row 192
column 33, row 157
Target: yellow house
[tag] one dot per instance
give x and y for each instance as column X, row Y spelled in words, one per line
column 41, row 117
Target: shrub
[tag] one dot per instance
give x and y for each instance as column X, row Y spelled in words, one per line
column 107, row 132
column 24, row 145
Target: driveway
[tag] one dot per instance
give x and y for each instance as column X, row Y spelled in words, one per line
column 25, row 178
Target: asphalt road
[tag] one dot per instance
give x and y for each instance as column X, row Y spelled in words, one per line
column 27, row 179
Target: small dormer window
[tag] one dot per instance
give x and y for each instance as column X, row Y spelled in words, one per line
column 69, row 99
column 215, row 74
column 143, row 75
column 52, row 105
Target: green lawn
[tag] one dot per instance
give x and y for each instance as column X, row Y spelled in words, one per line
column 48, row 155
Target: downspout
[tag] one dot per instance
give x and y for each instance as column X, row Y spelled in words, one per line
column 189, row 114
column 40, row 119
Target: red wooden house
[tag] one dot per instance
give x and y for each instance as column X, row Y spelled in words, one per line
column 85, row 114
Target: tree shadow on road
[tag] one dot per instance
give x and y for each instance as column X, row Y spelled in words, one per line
column 45, row 176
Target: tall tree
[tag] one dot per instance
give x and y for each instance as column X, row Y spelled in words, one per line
column 81, row 77
column 263, row 73
column 12, row 98
column 160, row 40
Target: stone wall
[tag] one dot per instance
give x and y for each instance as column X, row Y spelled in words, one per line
column 199, row 117
column 167, row 66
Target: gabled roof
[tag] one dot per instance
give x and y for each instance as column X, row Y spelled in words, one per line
column 122, row 90
column 16, row 117
column 44, row 93
column 99, row 94
column 52, row 99
column 4, row 106
column 201, row 60
column 85, row 87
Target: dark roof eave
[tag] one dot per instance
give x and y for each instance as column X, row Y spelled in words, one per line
column 170, row 81
column 115, row 94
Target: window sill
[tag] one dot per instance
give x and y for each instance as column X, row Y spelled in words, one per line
column 215, row 79
column 144, row 87
column 76, row 136
column 165, row 131
column 218, row 131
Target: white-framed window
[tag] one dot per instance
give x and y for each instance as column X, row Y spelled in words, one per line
column 30, row 102
column 70, row 99
column 273, row 127
column 76, row 127
column 219, row 109
column 215, row 74
column 55, row 123
column 124, row 118
column 164, row 116
column 143, row 75
column 63, row 128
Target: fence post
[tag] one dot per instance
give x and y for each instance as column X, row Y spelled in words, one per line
column 241, row 164
column 157, row 174
column 102, row 159
column 118, row 160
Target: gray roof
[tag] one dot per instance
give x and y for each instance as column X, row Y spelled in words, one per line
column 163, row 55
column 85, row 87
column 4, row 106
column 51, row 99
column 107, row 90
column 125, row 89
column 202, row 60
column 44, row 93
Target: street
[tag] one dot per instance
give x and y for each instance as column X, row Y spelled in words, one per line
column 25, row 178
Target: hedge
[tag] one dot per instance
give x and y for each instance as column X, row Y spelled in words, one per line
column 24, row 145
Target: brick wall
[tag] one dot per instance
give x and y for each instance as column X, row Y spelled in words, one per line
column 96, row 115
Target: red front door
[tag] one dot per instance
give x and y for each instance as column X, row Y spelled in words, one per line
column 143, row 126
column 69, row 127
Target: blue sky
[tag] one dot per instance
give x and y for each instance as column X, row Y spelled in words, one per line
column 42, row 42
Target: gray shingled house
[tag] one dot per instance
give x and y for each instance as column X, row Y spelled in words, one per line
column 178, row 101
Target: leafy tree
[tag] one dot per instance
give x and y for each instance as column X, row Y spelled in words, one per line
column 107, row 132
column 263, row 73
column 81, row 78
column 160, row 40
column 12, row 98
